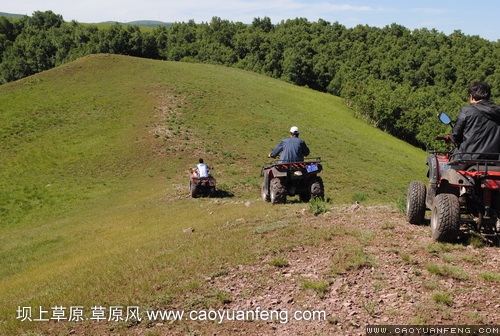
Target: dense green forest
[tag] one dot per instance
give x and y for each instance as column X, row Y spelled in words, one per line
column 396, row 78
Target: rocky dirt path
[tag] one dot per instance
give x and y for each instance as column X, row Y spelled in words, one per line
column 353, row 267
column 372, row 267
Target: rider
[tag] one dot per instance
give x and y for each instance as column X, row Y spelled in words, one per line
column 476, row 132
column 201, row 169
column 477, row 128
column 292, row 149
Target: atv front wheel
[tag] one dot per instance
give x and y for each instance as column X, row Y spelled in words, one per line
column 265, row 193
column 415, row 202
column 445, row 218
column 277, row 191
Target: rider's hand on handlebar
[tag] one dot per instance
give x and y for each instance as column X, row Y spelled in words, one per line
column 446, row 138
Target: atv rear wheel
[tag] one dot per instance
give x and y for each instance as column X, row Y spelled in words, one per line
column 415, row 203
column 316, row 187
column 445, row 218
column 212, row 192
column 277, row 191
column 194, row 190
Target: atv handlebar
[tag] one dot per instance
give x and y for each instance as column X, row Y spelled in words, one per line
column 446, row 138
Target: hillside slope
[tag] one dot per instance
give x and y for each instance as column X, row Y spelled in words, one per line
column 90, row 110
column 93, row 186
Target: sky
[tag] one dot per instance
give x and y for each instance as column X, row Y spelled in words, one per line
column 445, row 16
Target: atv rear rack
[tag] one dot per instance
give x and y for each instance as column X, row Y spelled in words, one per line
column 310, row 165
column 492, row 159
column 478, row 166
column 301, row 163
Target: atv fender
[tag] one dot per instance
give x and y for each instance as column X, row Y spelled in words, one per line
column 455, row 178
column 276, row 173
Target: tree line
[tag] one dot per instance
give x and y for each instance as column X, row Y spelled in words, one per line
column 396, row 78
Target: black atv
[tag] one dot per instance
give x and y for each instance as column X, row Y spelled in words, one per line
column 291, row 179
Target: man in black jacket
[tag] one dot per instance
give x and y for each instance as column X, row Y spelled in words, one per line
column 477, row 128
column 476, row 132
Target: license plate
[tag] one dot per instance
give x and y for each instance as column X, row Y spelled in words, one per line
column 312, row 168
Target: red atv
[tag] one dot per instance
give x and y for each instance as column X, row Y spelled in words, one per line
column 466, row 195
column 290, row 179
column 202, row 186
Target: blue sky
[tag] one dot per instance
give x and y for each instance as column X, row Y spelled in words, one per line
column 443, row 15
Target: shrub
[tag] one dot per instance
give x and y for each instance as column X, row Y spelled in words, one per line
column 318, row 206
column 279, row 262
column 442, row 298
column 320, row 287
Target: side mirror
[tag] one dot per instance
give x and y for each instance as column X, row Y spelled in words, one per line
column 443, row 117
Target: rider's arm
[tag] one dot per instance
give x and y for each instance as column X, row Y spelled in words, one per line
column 277, row 150
column 305, row 149
column 457, row 133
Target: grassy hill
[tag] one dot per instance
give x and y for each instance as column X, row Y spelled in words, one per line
column 94, row 173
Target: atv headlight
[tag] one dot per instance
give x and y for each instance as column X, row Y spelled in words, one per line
column 297, row 173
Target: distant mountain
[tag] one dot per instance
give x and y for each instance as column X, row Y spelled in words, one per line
column 141, row 23
column 11, row 15
column 149, row 23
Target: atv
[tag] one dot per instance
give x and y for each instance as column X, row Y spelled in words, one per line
column 290, row 179
column 202, row 186
column 466, row 195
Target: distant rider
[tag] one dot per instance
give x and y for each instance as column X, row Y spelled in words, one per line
column 292, row 149
column 201, row 170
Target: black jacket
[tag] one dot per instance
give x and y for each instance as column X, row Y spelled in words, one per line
column 477, row 130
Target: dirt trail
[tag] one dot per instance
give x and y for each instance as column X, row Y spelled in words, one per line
column 363, row 266
column 377, row 269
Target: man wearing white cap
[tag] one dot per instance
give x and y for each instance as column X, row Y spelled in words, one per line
column 292, row 149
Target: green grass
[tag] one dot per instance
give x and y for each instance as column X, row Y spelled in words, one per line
column 320, row 287
column 279, row 262
column 93, row 182
column 447, row 271
column 443, row 298
column 490, row 276
column 318, row 206
column 350, row 257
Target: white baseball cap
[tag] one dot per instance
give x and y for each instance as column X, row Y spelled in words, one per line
column 294, row 130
